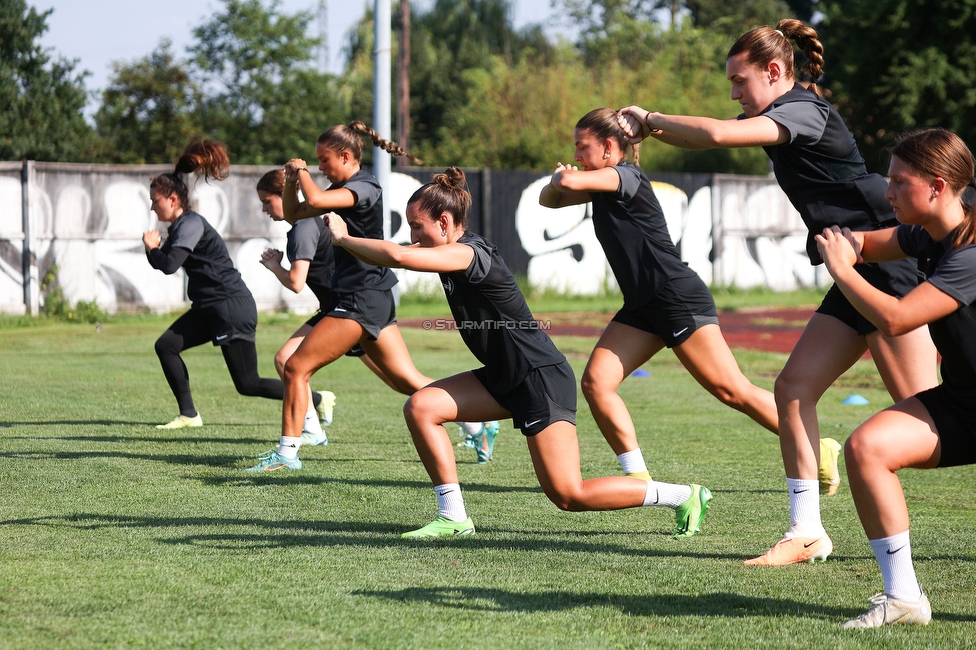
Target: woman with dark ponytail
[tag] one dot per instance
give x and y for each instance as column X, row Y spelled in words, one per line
column 223, row 310
column 818, row 166
column 524, row 376
column 934, row 195
column 361, row 308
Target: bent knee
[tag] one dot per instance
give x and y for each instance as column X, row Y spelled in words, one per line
column 567, row 501
column 593, row 385
column 790, row 388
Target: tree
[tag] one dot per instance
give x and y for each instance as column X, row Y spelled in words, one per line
column 41, row 100
column 895, row 65
column 262, row 95
column 147, row 112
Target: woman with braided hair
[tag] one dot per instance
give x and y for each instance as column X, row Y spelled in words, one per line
column 361, row 308
column 223, row 310
column 818, row 166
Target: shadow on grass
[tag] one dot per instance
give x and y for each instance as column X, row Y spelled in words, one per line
column 717, row 604
column 107, row 423
column 306, row 479
column 209, row 460
column 162, row 437
column 357, row 534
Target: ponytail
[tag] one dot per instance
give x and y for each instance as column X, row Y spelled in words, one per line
column 209, row 157
column 764, row 44
column 346, row 138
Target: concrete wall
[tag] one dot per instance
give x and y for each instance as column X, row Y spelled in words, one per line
column 89, row 220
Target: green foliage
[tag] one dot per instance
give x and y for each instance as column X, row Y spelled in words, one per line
column 147, row 112
column 895, row 65
column 40, row 99
column 56, row 306
column 262, row 96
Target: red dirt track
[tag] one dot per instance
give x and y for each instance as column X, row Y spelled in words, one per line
column 771, row 330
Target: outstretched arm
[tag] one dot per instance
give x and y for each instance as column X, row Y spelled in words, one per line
column 690, row 132
column 438, row 259
column 892, row 316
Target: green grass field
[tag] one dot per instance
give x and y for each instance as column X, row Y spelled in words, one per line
column 114, row 534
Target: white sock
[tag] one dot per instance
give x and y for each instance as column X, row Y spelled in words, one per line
column 666, row 494
column 450, row 503
column 894, row 555
column 312, row 424
column 804, row 508
column 288, row 447
column 471, row 429
column 632, row 462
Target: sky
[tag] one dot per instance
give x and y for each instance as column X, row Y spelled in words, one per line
column 98, row 32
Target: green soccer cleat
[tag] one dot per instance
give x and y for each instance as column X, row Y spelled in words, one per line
column 690, row 514
column 442, row 527
column 485, row 441
column 326, row 407
column 182, row 422
column 313, row 440
column 272, row 461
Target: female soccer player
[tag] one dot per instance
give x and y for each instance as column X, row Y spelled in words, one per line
column 933, row 193
column 665, row 302
column 361, row 309
column 524, row 377
column 311, row 261
column 223, row 309
column 818, row 166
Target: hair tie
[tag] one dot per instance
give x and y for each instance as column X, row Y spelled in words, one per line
column 780, row 33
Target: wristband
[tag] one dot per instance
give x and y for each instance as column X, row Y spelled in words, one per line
column 652, row 129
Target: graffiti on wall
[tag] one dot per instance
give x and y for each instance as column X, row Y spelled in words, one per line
column 90, row 224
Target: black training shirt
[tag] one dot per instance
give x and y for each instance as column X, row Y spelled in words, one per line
column 210, row 273
column 364, row 219
column 493, row 319
column 821, row 170
column 631, row 227
column 310, row 240
column 952, row 271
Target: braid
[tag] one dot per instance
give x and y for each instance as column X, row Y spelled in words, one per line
column 391, row 148
column 808, row 41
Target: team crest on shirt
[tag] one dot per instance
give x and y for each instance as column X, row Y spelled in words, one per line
column 448, row 285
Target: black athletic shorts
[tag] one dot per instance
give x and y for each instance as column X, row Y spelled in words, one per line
column 955, row 422
column 231, row 319
column 680, row 307
column 545, row 396
column 355, row 351
column 894, row 278
column 374, row 309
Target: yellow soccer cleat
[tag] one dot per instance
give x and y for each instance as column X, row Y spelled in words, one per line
column 182, row 422
column 828, row 473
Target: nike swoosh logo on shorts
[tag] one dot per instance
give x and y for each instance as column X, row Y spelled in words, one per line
column 221, row 338
column 340, row 309
column 529, row 424
column 679, row 332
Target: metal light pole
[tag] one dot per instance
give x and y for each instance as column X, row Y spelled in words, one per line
column 382, row 37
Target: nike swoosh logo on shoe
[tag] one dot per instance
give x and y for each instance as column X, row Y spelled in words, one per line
column 811, row 543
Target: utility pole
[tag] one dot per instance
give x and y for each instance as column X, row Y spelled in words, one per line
column 403, row 81
column 323, row 15
column 382, row 37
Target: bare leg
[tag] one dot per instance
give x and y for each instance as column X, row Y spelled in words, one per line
column 901, row 436
column 288, row 349
column 708, row 358
column 907, row 363
column 619, row 352
column 826, row 349
column 390, row 354
column 376, row 371
column 555, row 455
column 328, row 340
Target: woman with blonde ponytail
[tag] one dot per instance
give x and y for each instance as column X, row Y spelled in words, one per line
column 524, row 376
column 361, row 309
column 223, row 310
column 818, row 166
